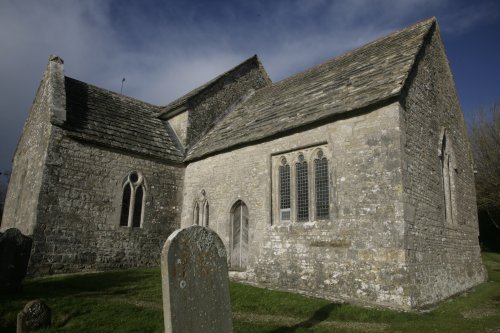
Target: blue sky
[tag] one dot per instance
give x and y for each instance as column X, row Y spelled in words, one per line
column 166, row 48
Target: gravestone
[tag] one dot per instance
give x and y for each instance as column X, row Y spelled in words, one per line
column 15, row 251
column 35, row 316
column 195, row 282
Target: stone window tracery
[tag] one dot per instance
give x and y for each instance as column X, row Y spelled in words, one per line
column 133, row 195
column 201, row 210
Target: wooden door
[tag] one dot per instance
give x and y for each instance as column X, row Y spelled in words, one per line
column 239, row 236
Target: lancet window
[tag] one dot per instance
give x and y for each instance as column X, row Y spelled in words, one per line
column 133, row 195
column 321, row 185
column 302, row 189
column 284, row 190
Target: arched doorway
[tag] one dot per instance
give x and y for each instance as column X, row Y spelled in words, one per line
column 239, row 236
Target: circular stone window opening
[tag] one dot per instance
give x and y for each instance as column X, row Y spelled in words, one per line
column 134, row 177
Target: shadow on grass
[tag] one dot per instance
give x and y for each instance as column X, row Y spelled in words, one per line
column 70, row 291
column 318, row 316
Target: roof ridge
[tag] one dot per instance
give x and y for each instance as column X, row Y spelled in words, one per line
column 430, row 30
column 348, row 53
column 110, row 92
column 349, row 77
column 245, row 97
column 184, row 98
column 432, row 20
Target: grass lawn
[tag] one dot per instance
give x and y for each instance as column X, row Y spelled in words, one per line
column 130, row 301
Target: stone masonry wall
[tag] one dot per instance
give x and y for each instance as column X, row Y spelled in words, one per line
column 357, row 255
column 79, row 214
column 207, row 106
column 443, row 257
column 28, row 163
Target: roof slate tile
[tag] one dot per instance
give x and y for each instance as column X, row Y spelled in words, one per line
column 117, row 121
column 357, row 79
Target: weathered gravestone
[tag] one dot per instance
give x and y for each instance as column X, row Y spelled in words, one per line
column 35, row 316
column 15, row 250
column 195, row 282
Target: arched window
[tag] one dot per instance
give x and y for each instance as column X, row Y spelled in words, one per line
column 206, row 209
column 196, row 213
column 448, row 179
column 284, row 191
column 302, row 189
column 132, row 210
column 321, row 186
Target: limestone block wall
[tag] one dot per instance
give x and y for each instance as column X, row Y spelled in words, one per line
column 78, row 215
column 28, row 163
column 357, row 254
column 443, row 253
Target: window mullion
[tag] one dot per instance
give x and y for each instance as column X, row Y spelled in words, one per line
column 293, row 194
column 312, row 191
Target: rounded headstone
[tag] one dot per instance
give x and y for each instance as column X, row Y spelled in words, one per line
column 36, row 315
column 195, row 282
column 15, row 250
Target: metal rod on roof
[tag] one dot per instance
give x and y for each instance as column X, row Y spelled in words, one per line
column 121, row 89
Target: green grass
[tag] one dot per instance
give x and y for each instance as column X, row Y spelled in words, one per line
column 130, row 301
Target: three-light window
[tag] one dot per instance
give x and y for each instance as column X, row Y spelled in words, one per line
column 303, row 186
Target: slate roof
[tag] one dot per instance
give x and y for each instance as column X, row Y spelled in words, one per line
column 367, row 75
column 106, row 118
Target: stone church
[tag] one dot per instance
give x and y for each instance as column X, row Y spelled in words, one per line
column 350, row 181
